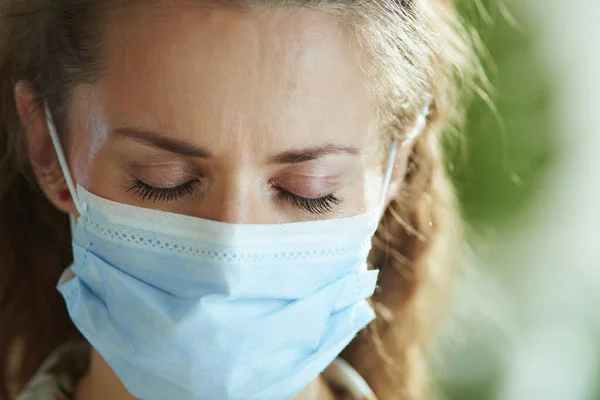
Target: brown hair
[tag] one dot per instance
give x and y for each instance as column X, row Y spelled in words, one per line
column 414, row 47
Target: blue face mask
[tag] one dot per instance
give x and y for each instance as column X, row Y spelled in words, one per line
column 185, row 308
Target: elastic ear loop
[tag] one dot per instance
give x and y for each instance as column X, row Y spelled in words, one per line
column 412, row 135
column 81, row 208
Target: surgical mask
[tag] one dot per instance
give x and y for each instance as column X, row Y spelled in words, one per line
column 187, row 308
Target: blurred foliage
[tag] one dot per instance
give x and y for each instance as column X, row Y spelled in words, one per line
column 508, row 146
column 509, row 140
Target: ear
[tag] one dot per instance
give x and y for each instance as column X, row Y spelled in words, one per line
column 400, row 168
column 41, row 152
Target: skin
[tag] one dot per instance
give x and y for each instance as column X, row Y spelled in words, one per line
column 260, row 103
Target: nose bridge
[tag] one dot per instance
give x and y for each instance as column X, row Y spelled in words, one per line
column 236, row 198
column 231, row 205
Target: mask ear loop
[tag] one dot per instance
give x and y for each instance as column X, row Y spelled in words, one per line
column 411, row 136
column 81, row 207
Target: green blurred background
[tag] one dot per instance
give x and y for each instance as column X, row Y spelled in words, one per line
column 508, row 150
column 509, row 146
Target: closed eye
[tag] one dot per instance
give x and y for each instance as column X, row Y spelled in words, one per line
column 321, row 205
column 156, row 194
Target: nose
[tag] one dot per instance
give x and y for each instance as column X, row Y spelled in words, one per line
column 237, row 200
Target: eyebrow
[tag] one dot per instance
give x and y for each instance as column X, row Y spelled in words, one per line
column 161, row 141
column 314, row 153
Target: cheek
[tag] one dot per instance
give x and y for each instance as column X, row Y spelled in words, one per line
column 87, row 133
column 399, row 173
column 364, row 194
column 92, row 172
column 81, row 159
column 375, row 193
column 373, row 188
column 107, row 177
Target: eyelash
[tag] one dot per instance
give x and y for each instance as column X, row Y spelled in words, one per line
column 147, row 192
column 321, row 205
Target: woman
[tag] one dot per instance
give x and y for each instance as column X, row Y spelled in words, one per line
column 225, row 165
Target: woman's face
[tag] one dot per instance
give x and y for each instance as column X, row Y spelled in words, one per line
column 229, row 115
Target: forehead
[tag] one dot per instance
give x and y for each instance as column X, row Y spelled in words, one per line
column 285, row 76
